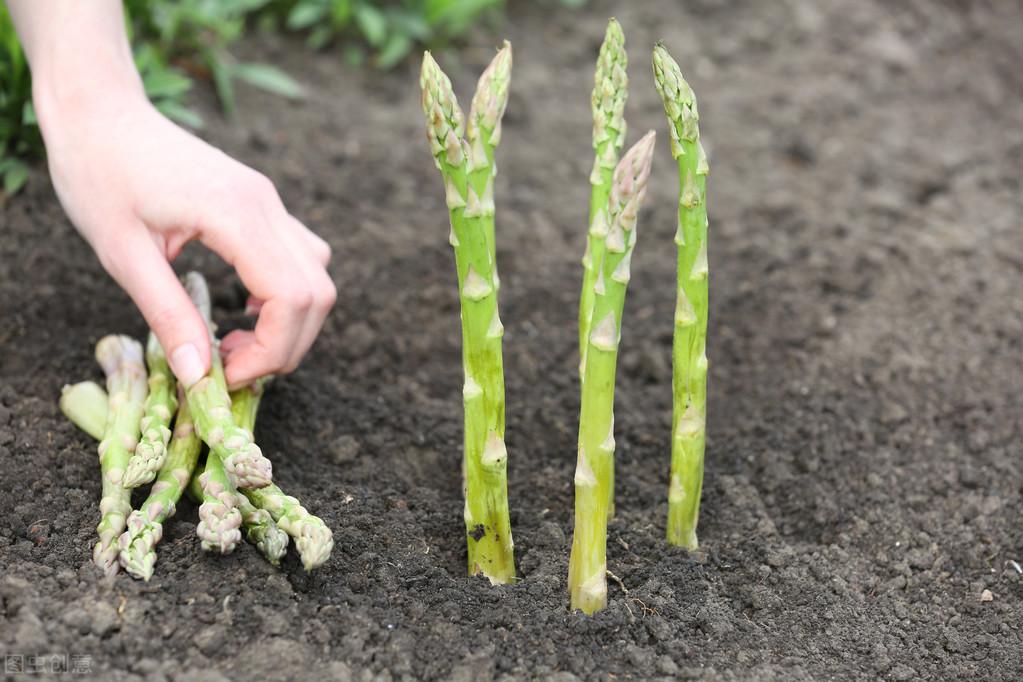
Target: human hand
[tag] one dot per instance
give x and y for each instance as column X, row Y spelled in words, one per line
column 139, row 188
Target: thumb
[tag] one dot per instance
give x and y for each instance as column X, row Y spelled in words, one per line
column 138, row 265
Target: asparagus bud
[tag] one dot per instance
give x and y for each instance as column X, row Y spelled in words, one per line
column 594, row 475
column 689, row 356
column 155, row 426
column 219, row 517
column 85, row 404
column 610, row 91
column 145, row 525
column 242, row 460
column 121, row 360
column 468, row 171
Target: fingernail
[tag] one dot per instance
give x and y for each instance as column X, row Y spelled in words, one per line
column 187, row 364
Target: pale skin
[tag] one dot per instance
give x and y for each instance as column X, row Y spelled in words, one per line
column 138, row 188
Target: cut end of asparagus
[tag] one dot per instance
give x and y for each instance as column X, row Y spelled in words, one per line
column 491, row 98
column 137, row 545
column 85, row 405
column 445, row 122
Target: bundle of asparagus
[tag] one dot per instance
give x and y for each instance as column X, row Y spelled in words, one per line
column 137, row 445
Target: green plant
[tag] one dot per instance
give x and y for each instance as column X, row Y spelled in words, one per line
column 465, row 157
column 690, row 341
column 594, row 473
column 19, row 135
column 195, row 35
column 390, row 28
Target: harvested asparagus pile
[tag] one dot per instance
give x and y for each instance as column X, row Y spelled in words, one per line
column 154, row 431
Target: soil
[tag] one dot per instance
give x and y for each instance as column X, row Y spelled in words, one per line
column 864, row 467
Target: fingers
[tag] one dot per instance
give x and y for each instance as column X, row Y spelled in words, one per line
column 282, row 264
column 142, row 270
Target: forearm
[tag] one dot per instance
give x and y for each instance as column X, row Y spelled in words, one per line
column 76, row 49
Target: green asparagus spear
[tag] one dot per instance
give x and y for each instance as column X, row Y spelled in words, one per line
column 468, row 171
column 610, row 90
column 160, row 405
column 219, row 517
column 85, row 404
column 145, row 525
column 313, row 539
column 593, row 474
column 121, row 360
column 210, row 405
column 260, row 528
column 689, row 355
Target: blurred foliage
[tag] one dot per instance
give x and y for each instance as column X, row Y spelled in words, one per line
column 389, row 28
column 176, row 42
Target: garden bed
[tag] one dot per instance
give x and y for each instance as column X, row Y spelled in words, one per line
column 863, row 474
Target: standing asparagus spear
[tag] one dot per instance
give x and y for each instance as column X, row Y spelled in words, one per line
column 468, row 171
column 689, row 356
column 610, row 90
column 121, row 360
column 145, row 525
column 160, row 405
column 85, row 404
column 587, row 577
column 210, row 405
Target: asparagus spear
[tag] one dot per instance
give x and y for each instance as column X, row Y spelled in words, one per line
column 689, row 358
column 155, row 426
column 588, row 564
column 219, row 517
column 121, row 360
column 468, row 172
column 610, row 90
column 145, row 525
column 85, row 404
column 208, row 400
column 260, row 528
column 313, row 539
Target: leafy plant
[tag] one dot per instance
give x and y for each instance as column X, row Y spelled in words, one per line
column 192, row 37
column 19, row 135
column 390, row 28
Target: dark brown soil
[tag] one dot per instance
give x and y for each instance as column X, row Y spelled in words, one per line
column 864, row 465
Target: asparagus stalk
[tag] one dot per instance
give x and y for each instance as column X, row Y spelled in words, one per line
column 468, row 171
column 155, row 426
column 313, row 539
column 260, row 528
column 210, row 405
column 689, row 357
column 85, row 404
column 593, row 475
column 610, row 90
column 145, row 525
column 121, row 360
